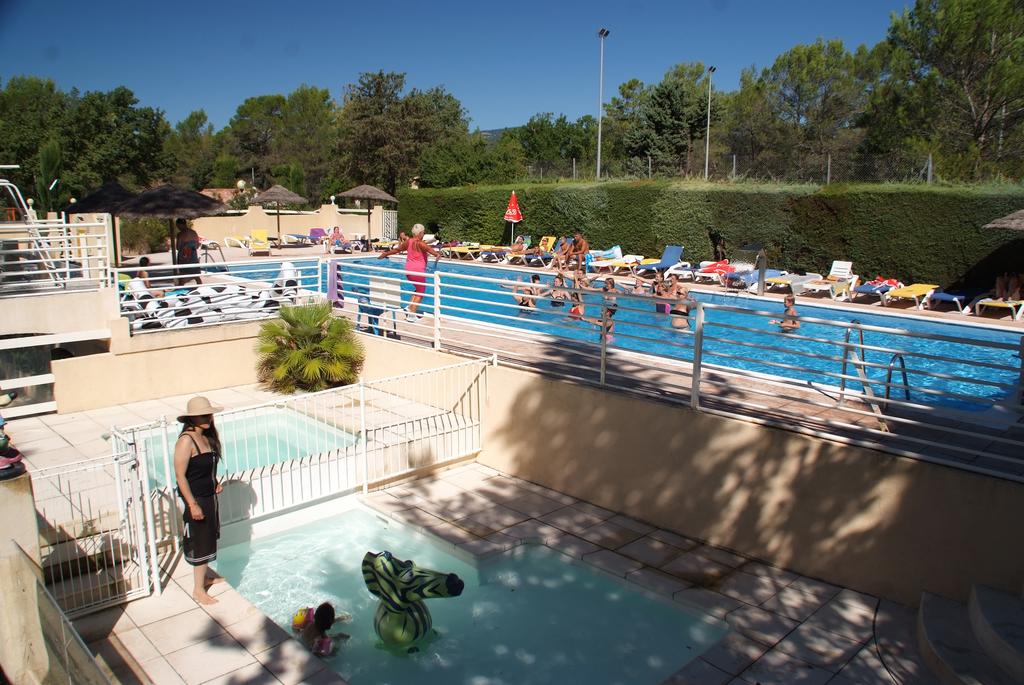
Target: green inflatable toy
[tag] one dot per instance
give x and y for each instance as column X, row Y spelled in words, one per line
column 402, row 619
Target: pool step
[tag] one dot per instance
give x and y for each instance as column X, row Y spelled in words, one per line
column 950, row 648
column 997, row 620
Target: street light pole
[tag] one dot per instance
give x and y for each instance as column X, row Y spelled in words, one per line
column 707, row 132
column 601, row 34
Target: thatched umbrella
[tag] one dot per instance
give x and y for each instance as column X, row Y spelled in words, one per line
column 107, row 199
column 168, row 202
column 279, row 195
column 1013, row 222
column 370, row 193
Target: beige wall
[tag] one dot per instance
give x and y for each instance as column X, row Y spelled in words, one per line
column 881, row 524
column 65, row 312
column 351, row 221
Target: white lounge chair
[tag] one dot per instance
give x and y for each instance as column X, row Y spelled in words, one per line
column 838, row 284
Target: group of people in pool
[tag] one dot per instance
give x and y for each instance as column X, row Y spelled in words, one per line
column 671, row 296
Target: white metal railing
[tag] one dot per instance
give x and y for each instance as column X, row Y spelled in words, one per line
column 53, row 255
column 299, row 449
column 166, row 297
column 961, row 396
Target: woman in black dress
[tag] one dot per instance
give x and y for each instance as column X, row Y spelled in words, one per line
column 195, row 466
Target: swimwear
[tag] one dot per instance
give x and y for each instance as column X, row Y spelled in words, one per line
column 416, row 260
column 679, row 312
column 557, row 303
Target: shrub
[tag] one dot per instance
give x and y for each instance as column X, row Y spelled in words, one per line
column 913, row 232
column 308, row 349
column 140, row 236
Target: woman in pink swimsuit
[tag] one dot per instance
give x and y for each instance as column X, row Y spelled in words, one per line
column 416, row 252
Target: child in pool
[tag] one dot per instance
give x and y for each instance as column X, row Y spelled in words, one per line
column 312, row 626
column 789, row 322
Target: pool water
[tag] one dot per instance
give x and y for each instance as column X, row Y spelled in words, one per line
column 528, row 616
column 723, row 343
column 251, row 439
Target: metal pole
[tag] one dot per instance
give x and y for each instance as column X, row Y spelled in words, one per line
column 601, row 34
column 828, row 169
column 698, row 345
column 362, row 435
column 707, row 133
column 604, row 343
column 437, row 309
column 574, row 168
column 929, row 168
column 734, row 167
column 648, row 166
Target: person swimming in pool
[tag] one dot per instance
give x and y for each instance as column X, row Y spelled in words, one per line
column 681, row 306
column 790, row 321
column 557, row 292
column 526, row 295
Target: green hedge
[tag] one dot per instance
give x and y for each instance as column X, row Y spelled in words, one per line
column 915, row 233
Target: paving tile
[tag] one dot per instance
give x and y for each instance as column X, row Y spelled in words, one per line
column 484, row 468
column 843, row 619
column 171, row 602
column 435, row 490
column 505, row 541
column 649, row 551
column 793, row 603
column 609, row 535
column 819, row 588
column 325, row 677
column 533, row 530
column 656, row 581
column 734, row 653
column 555, row 495
column 231, row 606
column 462, row 506
column 385, row 503
column 494, row 519
column 481, row 548
column 612, row 562
column 720, row 556
column 103, row 623
column 291, row 662
column 207, row 660
column 257, row 633
column 778, row 668
column 673, row 539
column 253, row 674
column 161, row 672
column 865, row 668
column 819, row 647
column 177, row 632
column 761, row 625
column 705, row 601
column 571, row 520
column 632, row 524
column 698, row 672
column 449, row 532
column 466, row 478
column 780, row 575
column 572, row 546
column 696, row 569
column 593, row 509
column 418, row 517
column 748, row 588
column 857, row 600
column 533, row 504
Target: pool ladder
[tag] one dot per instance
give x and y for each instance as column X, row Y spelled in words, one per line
column 855, row 356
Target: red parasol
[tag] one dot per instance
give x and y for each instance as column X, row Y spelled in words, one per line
column 512, row 213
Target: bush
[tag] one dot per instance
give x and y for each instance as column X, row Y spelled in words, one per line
column 912, row 232
column 141, row 236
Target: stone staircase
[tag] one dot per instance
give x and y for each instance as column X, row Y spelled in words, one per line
column 980, row 643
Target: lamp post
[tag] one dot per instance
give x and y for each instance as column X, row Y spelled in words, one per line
column 601, row 34
column 707, row 133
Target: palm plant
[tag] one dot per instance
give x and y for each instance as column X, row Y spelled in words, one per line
column 307, row 349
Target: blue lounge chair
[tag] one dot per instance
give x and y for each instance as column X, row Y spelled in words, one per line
column 544, row 258
column 672, row 255
column 874, row 289
column 959, row 298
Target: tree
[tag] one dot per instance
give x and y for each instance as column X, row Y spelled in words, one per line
column 955, row 77
column 254, row 132
column 622, row 116
column 32, row 112
column 308, row 349
column 47, row 194
column 469, row 160
column 672, row 117
column 190, row 148
column 308, row 137
column 384, row 132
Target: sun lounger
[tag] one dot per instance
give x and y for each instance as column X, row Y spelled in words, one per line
column 1015, row 307
column 837, row 284
column 671, row 256
column 958, row 299
column 259, row 243
column 237, row 241
column 296, row 239
column 876, row 288
column 915, row 291
column 747, row 280
column 544, row 245
column 795, row 282
column 317, row 235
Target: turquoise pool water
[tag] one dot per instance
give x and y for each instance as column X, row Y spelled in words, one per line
column 526, row 617
column 260, row 437
column 723, row 344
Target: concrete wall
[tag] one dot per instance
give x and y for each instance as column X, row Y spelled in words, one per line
column 351, row 221
column 875, row 522
column 64, row 312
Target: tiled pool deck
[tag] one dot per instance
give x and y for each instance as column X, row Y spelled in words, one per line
column 786, row 628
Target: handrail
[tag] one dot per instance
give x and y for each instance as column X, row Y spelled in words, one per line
column 848, row 350
column 903, row 370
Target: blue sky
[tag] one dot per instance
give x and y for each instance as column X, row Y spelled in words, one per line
column 504, row 61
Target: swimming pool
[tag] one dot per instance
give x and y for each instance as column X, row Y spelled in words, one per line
column 530, row 615
column 253, row 438
column 723, row 343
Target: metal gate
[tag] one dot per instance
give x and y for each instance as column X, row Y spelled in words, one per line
column 390, row 224
column 95, row 522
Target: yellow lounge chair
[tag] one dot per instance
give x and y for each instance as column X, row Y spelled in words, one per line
column 915, row 291
column 1016, row 307
column 259, row 243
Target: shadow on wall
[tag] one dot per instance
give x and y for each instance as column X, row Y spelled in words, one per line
column 877, row 523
